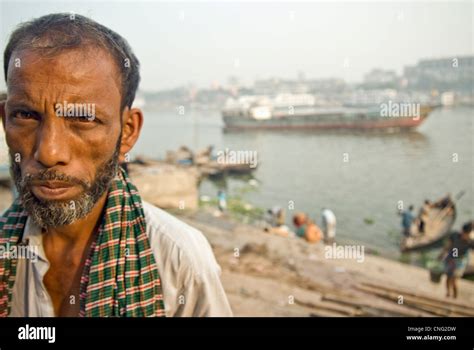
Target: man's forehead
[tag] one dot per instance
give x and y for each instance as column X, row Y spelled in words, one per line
column 73, row 71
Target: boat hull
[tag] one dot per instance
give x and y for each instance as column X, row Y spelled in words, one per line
column 326, row 122
column 438, row 227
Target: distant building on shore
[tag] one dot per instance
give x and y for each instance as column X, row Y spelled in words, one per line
column 444, row 74
column 380, row 79
column 298, row 86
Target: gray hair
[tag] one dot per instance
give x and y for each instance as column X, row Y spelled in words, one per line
column 62, row 31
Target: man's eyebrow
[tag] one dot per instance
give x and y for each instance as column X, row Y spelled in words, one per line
column 20, row 103
column 80, row 101
column 21, row 95
column 28, row 104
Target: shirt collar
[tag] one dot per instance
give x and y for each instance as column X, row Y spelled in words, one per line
column 33, row 237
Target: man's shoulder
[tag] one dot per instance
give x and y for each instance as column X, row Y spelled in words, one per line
column 173, row 239
column 187, row 266
column 164, row 224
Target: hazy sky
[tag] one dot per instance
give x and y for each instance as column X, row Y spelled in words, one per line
column 202, row 43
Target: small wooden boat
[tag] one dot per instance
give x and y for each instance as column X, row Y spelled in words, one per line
column 207, row 163
column 437, row 227
column 216, row 169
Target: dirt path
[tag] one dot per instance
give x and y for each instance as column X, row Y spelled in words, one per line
column 267, row 275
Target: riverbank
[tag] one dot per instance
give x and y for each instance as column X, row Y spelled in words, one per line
column 268, row 275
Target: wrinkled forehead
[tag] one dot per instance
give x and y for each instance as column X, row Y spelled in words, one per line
column 84, row 72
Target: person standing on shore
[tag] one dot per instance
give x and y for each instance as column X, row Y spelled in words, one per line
column 329, row 225
column 407, row 220
column 456, row 256
column 221, row 201
column 276, row 216
column 423, row 216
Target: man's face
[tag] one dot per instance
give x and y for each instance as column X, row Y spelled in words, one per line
column 62, row 162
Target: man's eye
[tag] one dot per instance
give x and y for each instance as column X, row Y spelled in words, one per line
column 81, row 118
column 24, row 115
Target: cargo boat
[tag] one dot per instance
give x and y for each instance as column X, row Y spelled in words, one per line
column 265, row 114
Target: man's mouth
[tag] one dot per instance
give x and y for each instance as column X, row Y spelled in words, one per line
column 51, row 190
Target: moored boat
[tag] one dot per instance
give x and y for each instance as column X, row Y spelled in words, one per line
column 438, row 226
column 261, row 112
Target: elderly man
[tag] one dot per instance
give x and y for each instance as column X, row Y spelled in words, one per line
column 101, row 250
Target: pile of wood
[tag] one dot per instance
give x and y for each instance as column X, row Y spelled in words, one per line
column 379, row 300
column 418, row 301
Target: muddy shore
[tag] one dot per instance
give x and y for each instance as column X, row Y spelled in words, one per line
column 269, row 275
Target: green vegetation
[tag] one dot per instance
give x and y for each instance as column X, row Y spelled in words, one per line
column 368, row 221
column 237, row 207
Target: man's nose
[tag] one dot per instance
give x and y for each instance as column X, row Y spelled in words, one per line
column 52, row 146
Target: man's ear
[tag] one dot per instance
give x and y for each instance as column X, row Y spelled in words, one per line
column 132, row 122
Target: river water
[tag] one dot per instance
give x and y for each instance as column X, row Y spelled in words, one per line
column 360, row 176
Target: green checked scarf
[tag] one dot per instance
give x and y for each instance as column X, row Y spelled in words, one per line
column 120, row 276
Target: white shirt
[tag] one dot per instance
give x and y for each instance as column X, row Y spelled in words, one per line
column 329, row 217
column 190, row 275
column 329, row 223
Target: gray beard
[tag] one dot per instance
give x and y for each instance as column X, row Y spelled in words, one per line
column 60, row 213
